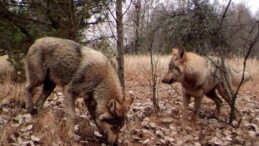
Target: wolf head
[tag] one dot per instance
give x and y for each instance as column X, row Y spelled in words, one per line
column 110, row 122
column 176, row 66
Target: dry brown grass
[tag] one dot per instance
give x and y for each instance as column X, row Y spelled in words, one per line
column 51, row 128
column 251, row 65
column 139, row 65
column 9, row 89
column 5, row 69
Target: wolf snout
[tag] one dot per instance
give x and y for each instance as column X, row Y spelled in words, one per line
column 109, row 139
column 164, row 81
column 114, row 144
column 167, row 81
column 113, row 141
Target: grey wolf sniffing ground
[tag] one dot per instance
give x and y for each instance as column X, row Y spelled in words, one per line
column 201, row 76
column 83, row 72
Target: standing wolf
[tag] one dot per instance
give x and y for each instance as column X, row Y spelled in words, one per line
column 201, row 76
column 81, row 71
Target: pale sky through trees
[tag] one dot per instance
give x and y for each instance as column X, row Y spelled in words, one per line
column 253, row 5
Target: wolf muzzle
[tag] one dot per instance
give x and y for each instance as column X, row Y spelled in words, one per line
column 168, row 81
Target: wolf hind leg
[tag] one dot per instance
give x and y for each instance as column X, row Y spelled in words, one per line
column 48, row 88
column 225, row 95
column 70, row 98
column 212, row 95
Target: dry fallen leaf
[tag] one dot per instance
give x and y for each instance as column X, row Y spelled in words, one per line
column 145, row 142
column 35, row 138
column 145, row 122
column 27, row 128
column 159, row 133
column 98, row 134
column 153, row 125
column 169, row 139
column 2, row 120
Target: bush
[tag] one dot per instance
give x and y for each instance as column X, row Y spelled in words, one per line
column 16, row 61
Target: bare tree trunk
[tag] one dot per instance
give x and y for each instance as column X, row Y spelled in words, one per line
column 137, row 8
column 250, row 46
column 120, row 47
column 153, row 81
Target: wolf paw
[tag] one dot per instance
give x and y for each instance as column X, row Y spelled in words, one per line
column 32, row 110
column 74, row 136
column 216, row 112
column 194, row 117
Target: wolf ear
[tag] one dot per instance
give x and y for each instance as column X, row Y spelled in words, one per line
column 112, row 106
column 182, row 52
column 175, row 51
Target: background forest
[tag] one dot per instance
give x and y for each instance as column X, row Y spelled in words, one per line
column 196, row 24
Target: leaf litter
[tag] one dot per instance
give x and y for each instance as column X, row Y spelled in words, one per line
column 143, row 126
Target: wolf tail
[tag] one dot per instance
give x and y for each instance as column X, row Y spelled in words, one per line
column 237, row 76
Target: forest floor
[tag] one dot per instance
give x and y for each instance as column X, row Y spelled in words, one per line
column 143, row 126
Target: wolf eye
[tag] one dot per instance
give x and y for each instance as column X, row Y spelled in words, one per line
column 176, row 68
column 116, row 128
column 171, row 68
column 113, row 121
column 116, row 123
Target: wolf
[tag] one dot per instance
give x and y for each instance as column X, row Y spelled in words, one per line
column 199, row 76
column 81, row 71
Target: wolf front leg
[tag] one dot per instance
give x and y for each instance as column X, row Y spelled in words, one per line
column 29, row 103
column 48, row 88
column 186, row 101
column 197, row 103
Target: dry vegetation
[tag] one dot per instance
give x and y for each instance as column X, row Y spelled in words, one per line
column 143, row 127
column 5, row 69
